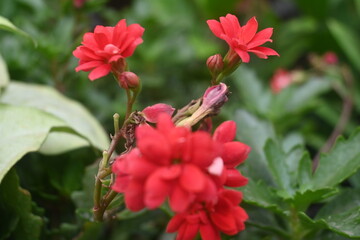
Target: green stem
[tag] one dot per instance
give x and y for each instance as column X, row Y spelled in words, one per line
column 296, row 229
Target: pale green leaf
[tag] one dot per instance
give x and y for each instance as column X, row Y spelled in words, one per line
column 23, row 130
column 347, row 39
column 253, row 93
column 71, row 112
column 254, row 132
column 340, row 163
column 5, row 24
column 4, row 74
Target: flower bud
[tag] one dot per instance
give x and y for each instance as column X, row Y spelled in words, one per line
column 215, row 96
column 212, row 100
column 128, row 80
column 215, row 64
column 152, row 113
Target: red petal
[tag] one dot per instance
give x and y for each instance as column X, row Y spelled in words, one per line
column 234, row 22
column 249, row 30
column 234, row 178
column 192, row 178
column 88, row 66
column 200, row 149
column 153, row 145
column 188, row 231
column 216, row 28
column 264, row 50
column 180, row 199
column 245, row 57
column 234, row 153
column 134, row 196
column 261, row 37
column 153, row 112
column 226, row 24
column 209, row 232
column 175, row 222
column 100, row 71
column 232, row 196
column 156, row 190
column 225, row 132
column 224, row 221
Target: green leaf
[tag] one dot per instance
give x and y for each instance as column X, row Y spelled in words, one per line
column 16, row 202
column 253, row 93
column 347, row 39
column 277, row 164
column 4, row 74
column 342, row 214
column 296, row 98
column 5, row 24
column 23, row 130
column 71, row 112
column 260, row 194
column 254, row 132
column 340, row 163
column 303, row 199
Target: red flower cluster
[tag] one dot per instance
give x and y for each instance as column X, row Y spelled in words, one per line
column 243, row 39
column 101, row 50
column 190, row 169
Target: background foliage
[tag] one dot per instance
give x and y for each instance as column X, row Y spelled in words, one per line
column 51, row 118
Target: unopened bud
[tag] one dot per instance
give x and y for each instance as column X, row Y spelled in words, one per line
column 215, row 96
column 212, row 100
column 215, row 64
column 129, row 80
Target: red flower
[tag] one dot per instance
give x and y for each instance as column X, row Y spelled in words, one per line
column 169, row 162
column 210, row 218
column 173, row 162
column 101, row 50
column 243, row 39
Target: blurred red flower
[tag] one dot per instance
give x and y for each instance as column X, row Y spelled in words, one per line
column 100, row 51
column 280, row 80
column 244, row 39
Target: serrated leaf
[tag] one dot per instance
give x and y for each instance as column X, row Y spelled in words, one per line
column 260, row 194
column 4, row 74
column 5, row 24
column 17, row 201
column 340, row 163
column 276, row 159
column 254, row 132
column 347, row 39
column 303, row 199
column 23, row 130
column 71, row 112
column 342, row 214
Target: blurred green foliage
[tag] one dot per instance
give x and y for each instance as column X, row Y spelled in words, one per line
column 285, row 130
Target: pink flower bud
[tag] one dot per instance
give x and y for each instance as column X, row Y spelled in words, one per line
column 128, row 80
column 215, row 64
column 215, row 96
column 330, row 58
column 79, row 3
column 152, row 113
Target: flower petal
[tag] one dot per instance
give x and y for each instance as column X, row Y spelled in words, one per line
column 225, row 132
column 249, row 30
column 100, row 71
